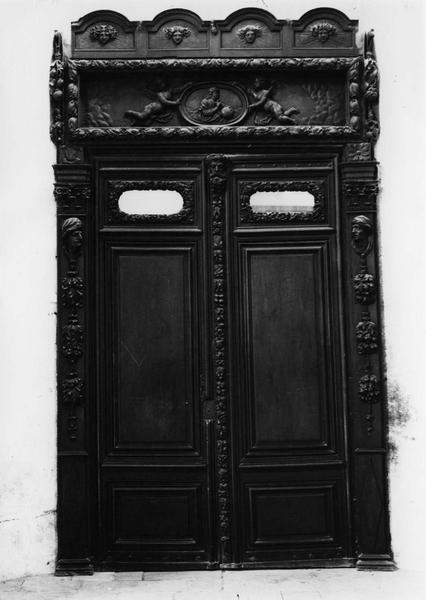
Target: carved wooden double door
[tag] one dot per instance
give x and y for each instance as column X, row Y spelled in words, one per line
column 222, row 436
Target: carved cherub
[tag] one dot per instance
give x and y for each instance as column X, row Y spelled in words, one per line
column 249, row 33
column 261, row 94
column 161, row 109
column 176, row 33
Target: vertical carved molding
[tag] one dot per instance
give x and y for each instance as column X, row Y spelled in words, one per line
column 72, row 298
column 56, row 90
column 366, row 332
column 217, row 180
column 371, row 88
column 367, row 394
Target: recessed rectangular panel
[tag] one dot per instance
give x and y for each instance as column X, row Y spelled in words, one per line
column 286, row 346
column 156, row 516
column 285, row 515
column 154, row 360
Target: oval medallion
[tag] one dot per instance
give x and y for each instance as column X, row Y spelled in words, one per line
column 214, row 104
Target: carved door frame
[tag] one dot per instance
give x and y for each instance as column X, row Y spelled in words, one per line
column 106, row 44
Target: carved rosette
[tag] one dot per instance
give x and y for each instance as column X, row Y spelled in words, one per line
column 367, row 336
column 217, row 180
column 72, row 333
column 317, row 215
column 185, row 189
column 357, row 152
column 364, row 288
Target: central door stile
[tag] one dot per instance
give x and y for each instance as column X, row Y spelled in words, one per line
column 217, row 171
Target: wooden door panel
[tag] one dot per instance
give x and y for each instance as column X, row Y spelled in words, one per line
column 154, row 355
column 287, row 374
column 293, row 515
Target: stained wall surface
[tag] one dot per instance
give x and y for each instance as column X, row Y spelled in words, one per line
column 28, row 266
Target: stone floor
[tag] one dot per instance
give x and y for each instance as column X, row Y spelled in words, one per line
column 315, row 584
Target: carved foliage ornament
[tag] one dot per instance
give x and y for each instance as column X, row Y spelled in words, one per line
column 103, row 33
column 364, row 288
column 367, row 337
column 369, row 389
column 72, row 339
column 361, row 194
column 72, row 197
column 316, row 188
column 217, row 178
column 56, row 90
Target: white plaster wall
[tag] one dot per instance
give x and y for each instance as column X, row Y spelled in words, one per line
column 27, row 258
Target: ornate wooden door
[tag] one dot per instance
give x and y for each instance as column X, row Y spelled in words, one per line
column 220, row 396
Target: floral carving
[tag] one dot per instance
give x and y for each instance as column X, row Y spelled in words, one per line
column 323, row 31
column 357, row 152
column 361, row 194
column 72, row 390
column 72, row 297
column 103, row 33
column 247, row 189
column 217, row 178
column 177, row 33
column 367, row 337
column 249, row 33
column 72, row 340
column 72, row 197
column 185, row 189
column 72, row 291
column 72, row 96
column 369, row 388
column 56, row 90
column 371, row 88
column 364, row 288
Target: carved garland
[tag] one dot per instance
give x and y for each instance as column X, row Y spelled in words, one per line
column 72, row 342
column 371, row 88
column 318, row 214
column 352, row 66
column 56, row 90
column 116, row 188
column 217, row 179
column 366, row 331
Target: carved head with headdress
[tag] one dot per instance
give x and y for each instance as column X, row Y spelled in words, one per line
column 176, row 33
column 362, row 229
column 72, row 236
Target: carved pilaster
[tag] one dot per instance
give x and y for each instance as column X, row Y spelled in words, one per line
column 72, row 194
column 217, row 180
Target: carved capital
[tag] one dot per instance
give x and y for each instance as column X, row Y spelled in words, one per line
column 72, row 197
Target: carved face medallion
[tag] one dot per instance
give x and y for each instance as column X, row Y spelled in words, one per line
column 176, row 33
column 103, row 33
column 249, row 33
column 323, row 31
